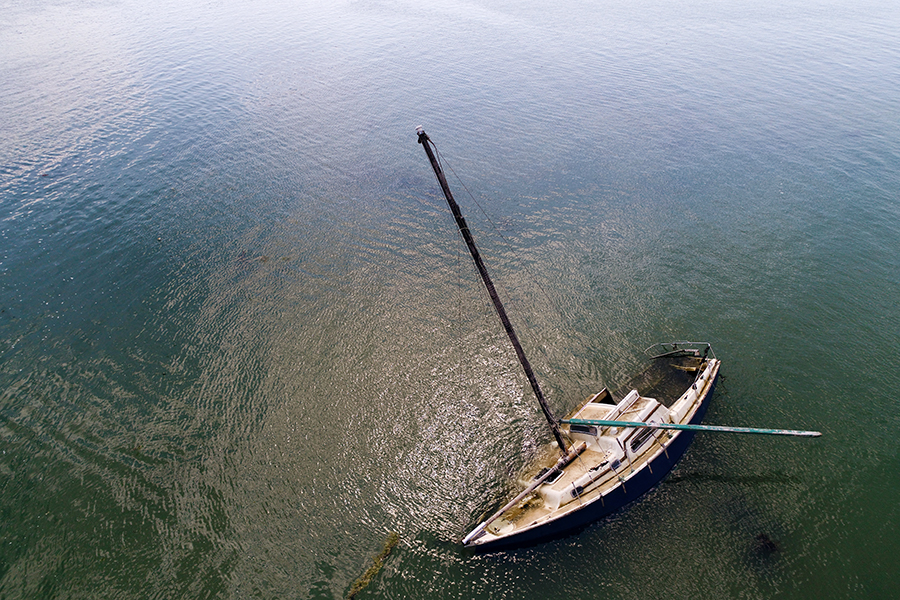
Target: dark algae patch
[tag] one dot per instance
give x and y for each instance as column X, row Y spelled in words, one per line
column 377, row 563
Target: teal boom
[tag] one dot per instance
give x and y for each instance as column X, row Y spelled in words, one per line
column 718, row 428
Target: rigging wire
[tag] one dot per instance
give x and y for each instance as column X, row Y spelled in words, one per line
column 462, row 374
column 531, row 275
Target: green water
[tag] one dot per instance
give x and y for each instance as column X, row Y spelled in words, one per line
column 241, row 342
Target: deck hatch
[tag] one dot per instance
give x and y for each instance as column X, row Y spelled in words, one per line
column 640, row 438
column 552, row 479
column 588, row 429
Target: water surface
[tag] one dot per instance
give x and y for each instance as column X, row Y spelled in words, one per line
column 240, row 341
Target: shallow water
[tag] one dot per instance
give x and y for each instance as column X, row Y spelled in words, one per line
column 240, row 341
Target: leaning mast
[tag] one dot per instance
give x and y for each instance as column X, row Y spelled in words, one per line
column 492, row 292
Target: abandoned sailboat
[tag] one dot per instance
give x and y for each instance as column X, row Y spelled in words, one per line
column 614, row 446
column 609, row 466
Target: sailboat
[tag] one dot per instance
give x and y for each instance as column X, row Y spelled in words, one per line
column 610, row 449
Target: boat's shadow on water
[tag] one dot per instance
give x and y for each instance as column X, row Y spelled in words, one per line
column 744, row 480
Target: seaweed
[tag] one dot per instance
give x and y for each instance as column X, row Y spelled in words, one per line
column 377, row 563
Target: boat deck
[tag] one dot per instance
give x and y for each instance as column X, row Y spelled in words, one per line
column 532, row 508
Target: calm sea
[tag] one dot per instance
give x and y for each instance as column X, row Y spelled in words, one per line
column 241, row 341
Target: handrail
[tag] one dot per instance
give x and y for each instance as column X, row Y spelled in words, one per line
column 681, row 348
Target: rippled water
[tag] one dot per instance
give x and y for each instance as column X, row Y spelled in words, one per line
column 240, row 341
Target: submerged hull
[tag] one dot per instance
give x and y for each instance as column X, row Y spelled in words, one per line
column 642, row 472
